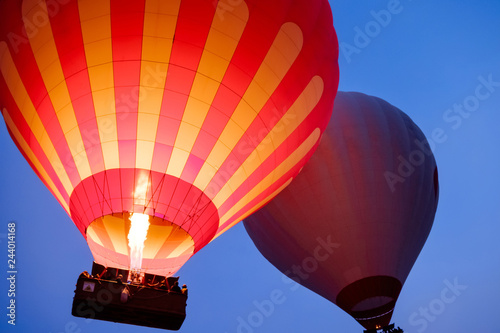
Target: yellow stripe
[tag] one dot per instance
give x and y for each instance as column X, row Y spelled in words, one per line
column 95, row 17
column 97, row 229
column 281, row 170
column 47, row 58
column 91, row 234
column 223, row 38
column 33, row 159
column 116, row 232
column 23, row 101
column 187, row 244
column 254, row 209
column 162, row 7
column 285, row 49
column 157, row 235
column 297, row 113
column 160, row 21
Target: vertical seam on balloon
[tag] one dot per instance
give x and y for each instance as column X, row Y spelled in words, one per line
column 82, row 219
column 106, row 181
column 149, row 200
column 99, row 193
column 179, row 226
column 157, row 190
column 126, row 230
column 89, row 220
column 134, row 185
column 170, row 202
column 122, row 208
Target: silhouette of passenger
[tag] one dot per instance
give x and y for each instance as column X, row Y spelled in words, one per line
column 85, row 274
column 184, row 290
column 175, row 288
column 162, row 285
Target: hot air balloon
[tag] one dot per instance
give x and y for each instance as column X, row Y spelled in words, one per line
column 179, row 117
column 351, row 225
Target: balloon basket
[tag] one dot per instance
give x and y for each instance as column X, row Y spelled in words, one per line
column 151, row 305
column 386, row 329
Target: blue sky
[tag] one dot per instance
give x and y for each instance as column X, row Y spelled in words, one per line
column 428, row 60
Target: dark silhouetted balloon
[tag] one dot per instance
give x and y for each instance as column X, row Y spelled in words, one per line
column 351, row 225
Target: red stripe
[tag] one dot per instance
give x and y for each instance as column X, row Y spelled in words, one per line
column 161, row 157
column 193, row 166
column 127, row 21
column 69, row 41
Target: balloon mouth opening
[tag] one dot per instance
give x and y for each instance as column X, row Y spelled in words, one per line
column 371, row 300
column 146, row 244
column 381, row 315
column 373, row 303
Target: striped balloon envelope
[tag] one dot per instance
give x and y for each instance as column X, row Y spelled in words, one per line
column 192, row 112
